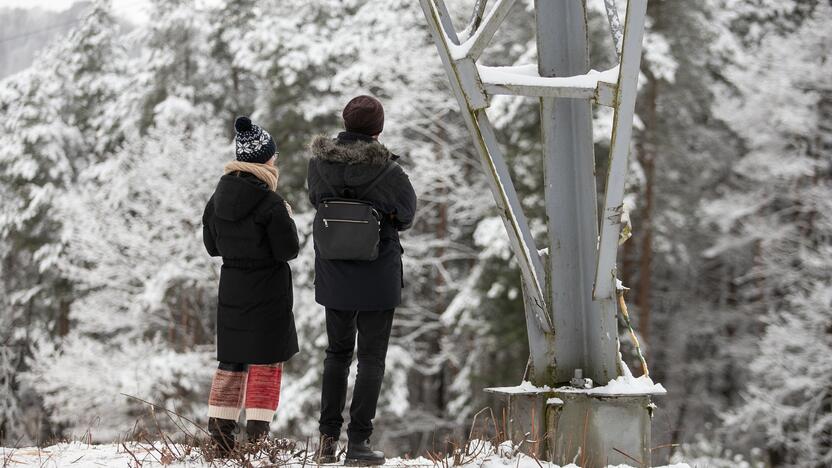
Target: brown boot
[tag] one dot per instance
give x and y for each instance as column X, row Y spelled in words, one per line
column 222, row 436
column 327, row 450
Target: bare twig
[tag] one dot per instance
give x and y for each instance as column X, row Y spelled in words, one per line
column 622, row 307
column 138, row 463
column 7, row 458
column 43, row 462
column 583, row 439
column 169, row 411
column 474, row 422
column 640, row 463
column 664, row 446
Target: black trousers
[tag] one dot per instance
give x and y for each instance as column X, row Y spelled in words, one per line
column 373, row 327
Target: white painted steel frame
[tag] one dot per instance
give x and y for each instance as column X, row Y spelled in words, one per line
column 472, row 95
column 622, row 131
column 492, row 159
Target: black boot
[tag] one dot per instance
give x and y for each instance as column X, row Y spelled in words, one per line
column 361, row 454
column 222, row 436
column 257, row 430
column 327, row 450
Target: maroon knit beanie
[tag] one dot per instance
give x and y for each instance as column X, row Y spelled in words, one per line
column 364, row 114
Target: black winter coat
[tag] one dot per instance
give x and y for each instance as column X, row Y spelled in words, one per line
column 350, row 162
column 250, row 227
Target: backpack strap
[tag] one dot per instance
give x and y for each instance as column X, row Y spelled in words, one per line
column 328, row 185
column 377, row 179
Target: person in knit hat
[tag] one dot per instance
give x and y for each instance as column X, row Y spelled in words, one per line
column 252, row 143
column 364, row 115
column 360, row 297
column 250, row 226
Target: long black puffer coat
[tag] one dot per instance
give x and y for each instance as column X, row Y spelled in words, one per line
column 350, row 162
column 250, row 227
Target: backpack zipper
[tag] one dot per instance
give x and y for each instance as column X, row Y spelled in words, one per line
column 335, row 220
column 343, row 202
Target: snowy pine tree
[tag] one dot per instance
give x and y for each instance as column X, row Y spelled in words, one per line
column 776, row 216
column 52, row 130
column 140, row 322
column 107, row 158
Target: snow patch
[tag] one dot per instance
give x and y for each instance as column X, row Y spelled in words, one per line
column 82, row 455
column 524, row 388
column 623, row 385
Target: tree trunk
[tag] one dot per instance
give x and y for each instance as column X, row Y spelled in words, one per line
column 647, row 158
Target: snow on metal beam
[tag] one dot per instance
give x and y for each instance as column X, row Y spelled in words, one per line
column 446, row 22
column 480, row 38
column 524, row 80
column 615, row 25
column 622, row 131
column 476, row 20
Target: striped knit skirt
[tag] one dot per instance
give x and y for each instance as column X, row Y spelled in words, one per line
column 253, row 387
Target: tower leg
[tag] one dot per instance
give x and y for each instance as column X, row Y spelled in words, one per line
column 585, row 329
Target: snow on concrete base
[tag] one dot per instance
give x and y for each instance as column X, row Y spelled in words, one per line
column 623, row 385
column 81, row 455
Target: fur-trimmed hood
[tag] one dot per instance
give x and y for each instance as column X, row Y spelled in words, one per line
column 354, row 152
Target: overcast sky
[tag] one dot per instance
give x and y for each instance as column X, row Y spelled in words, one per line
column 134, row 10
column 59, row 5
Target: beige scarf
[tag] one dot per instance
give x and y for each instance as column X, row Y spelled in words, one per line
column 265, row 172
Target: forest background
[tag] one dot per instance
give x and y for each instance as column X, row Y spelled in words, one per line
column 114, row 132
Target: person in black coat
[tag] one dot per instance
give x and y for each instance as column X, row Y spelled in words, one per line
column 359, row 296
column 250, row 226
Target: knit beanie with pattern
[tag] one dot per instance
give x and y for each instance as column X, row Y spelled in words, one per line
column 253, row 144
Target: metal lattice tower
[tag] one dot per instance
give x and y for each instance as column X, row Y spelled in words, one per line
column 569, row 294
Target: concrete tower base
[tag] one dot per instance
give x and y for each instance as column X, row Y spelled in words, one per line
column 589, row 428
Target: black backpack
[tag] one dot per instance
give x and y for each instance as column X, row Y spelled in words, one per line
column 348, row 228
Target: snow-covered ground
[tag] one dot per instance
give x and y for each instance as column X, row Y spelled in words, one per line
column 82, row 455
